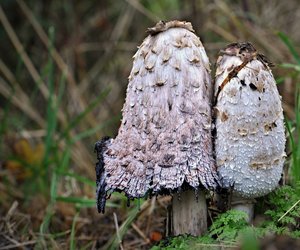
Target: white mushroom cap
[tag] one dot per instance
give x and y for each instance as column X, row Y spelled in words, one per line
column 250, row 137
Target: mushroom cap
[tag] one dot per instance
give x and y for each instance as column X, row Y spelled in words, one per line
column 250, row 137
column 164, row 140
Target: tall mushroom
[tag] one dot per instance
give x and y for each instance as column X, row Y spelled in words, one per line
column 250, row 138
column 164, row 143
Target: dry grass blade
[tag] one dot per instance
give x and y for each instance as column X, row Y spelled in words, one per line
column 137, row 5
column 122, row 24
column 43, row 36
column 140, row 232
column 247, row 30
column 132, row 215
column 18, row 245
column 58, row 59
column 292, row 207
column 268, row 41
column 26, row 107
column 28, row 63
column 217, row 246
column 19, row 47
column 118, row 231
column 222, row 32
column 79, row 152
column 33, row 133
column 11, row 210
column 231, row 14
column 18, row 91
column 18, row 96
column 9, row 214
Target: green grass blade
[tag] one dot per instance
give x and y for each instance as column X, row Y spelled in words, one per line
column 90, row 107
column 63, row 163
column 83, row 202
column 51, row 111
column 61, row 90
column 53, row 186
column 87, row 246
column 296, row 150
column 290, row 46
column 4, row 119
column 92, row 131
column 51, row 127
column 290, row 133
column 79, row 178
column 45, row 224
column 60, row 234
column 72, row 240
column 295, row 67
column 113, row 243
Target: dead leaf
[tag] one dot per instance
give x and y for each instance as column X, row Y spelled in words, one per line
column 30, row 155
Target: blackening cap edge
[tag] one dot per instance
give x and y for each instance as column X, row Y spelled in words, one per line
column 100, row 147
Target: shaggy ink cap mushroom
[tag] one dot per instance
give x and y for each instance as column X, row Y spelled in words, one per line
column 164, row 142
column 250, row 133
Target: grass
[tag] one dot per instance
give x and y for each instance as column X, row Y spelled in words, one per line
column 72, row 238
column 62, row 85
column 293, row 126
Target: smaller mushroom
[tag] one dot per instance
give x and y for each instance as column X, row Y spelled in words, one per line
column 164, row 144
column 250, row 137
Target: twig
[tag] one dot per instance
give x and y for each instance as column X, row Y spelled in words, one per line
column 118, row 231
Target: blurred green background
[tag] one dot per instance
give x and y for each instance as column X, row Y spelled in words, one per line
column 63, row 77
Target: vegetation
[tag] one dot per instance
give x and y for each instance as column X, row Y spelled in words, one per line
column 281, row 217
column 63, row 76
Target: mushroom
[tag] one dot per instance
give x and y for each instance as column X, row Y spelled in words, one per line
column 164, row 143
column 250, row 134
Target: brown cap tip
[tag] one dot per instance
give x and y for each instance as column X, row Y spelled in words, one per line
column 245, row 50
column 163, row 26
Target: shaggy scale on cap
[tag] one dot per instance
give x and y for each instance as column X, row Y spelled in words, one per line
column 164, row 141
column 250, row 138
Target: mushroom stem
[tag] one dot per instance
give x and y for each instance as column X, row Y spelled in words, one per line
column 189, row 215
column 245, row 205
